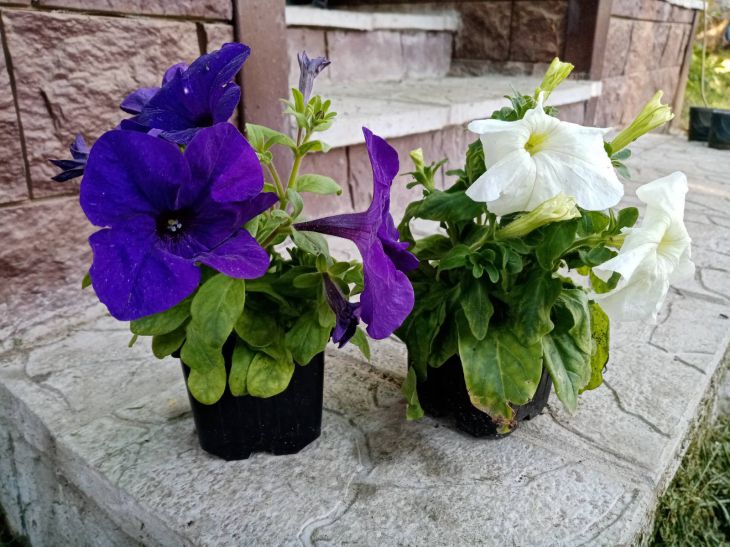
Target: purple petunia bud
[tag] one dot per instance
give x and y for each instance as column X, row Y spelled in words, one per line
column 347, row 313
column 310, row 69
column 74, row 167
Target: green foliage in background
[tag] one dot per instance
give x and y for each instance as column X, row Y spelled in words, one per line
column 717, row 81
column 695, row 510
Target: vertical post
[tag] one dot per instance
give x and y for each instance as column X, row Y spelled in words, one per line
column 585, row 41
column 265, row 76
column 684, row 73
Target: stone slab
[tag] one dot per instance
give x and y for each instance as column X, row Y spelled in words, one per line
column 72, row 71
column 399, row 109
column 97, row 442
column 206, row 9
column 306, row 16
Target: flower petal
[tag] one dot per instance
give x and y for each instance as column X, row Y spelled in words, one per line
column 638, row 300
column 222, row 159
column 506, row 186
column 132, row 276
column 131, row 173
column 240, row 256
column 388, row 296
column 136, row 101
column 667, row 193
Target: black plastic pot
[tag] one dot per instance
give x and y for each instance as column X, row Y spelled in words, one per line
column 444, row 395
column 700, row 119
column 720, row 130
column 235, row 427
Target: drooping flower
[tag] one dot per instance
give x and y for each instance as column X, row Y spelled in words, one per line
column 347, row 313
column 74, row 167
column 538, row 157
column 388, row 295
column 653, row 115
column 159, row 217
column 653, row 256
column 309, row 70
column 136, row 101
column 200, row 96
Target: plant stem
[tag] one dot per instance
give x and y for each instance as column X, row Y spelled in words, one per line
column 277, row 182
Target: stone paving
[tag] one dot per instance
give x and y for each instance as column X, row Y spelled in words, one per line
column 97, row 443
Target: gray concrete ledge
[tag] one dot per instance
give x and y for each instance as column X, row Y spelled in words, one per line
column 97, row 443
column 412, row 107
column 307, row 16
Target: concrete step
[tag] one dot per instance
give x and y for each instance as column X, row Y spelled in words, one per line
column 370, row 46
column 430, row 113
column 97, row 443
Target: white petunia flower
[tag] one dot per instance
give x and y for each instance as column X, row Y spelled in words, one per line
column 536, row 158
column 653, row 256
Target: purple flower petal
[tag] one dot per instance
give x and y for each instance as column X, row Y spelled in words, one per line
column 173, row 71
column 136, row 101
column 388, row 296
column 132, row 276
column 223, row 159
column 240, row 256
column 129, row 174
column 347, row 313
column 197, row 97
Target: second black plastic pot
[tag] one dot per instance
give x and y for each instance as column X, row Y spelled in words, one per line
column 235, row 427
column 700, row 119
column 444, row 395
column 720, row 130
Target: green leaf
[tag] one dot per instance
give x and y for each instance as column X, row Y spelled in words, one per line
column 592, row 222
column 268, row 376
column 600, row 335
column 596, row 256
column 455, row 258
column 477, row 307
column 567, row 350
column 318, row 184
column 240, row 363
column 197, row 353
column 499, row 370
column 132, row 340
column 307, row 280
column 208, row 385
column 257, row 329
column 296, row 202
column 216, row 307
column 307, row 338
column 410, row 392
column 163, row 322
column 447, row 207
column 445, row 345
column 360, row 340
column 262, row 138
column 627, row 218
column 314, row 146
column 165, row 344
column 432, row 247
column 86, row 281
column 271, row 223
column 558, row 237
column 531, row 302
column 310, row 242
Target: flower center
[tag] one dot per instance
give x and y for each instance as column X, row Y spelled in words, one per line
column 536, row 143
column 171, row 224
column 204, row 120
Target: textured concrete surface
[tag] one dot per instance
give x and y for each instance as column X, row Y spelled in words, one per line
column 398, row 109
column 97, row 443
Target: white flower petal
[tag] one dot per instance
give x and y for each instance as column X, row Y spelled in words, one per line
column 637, row 301
column 627, row 262
column 667, row 194
column 489, row 126
column 499, row 146
column 506, row 185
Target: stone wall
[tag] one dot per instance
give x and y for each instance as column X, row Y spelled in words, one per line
column 64, row 67
column 646, row 48
column 513, row 35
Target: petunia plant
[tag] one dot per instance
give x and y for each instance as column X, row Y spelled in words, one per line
column 533, row 256
column 201, row 244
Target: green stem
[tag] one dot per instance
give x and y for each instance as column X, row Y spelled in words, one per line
column 277, row 182
column 292, row 183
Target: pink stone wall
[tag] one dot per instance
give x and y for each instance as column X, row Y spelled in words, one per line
column 63, row 72
column 645, row 50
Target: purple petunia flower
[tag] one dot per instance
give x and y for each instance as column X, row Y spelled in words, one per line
column 136, row 101
column 70, row 169
column 192, row 98
column 347, row 313
column 160, row 217
column 309, row 70
column 388, row 296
